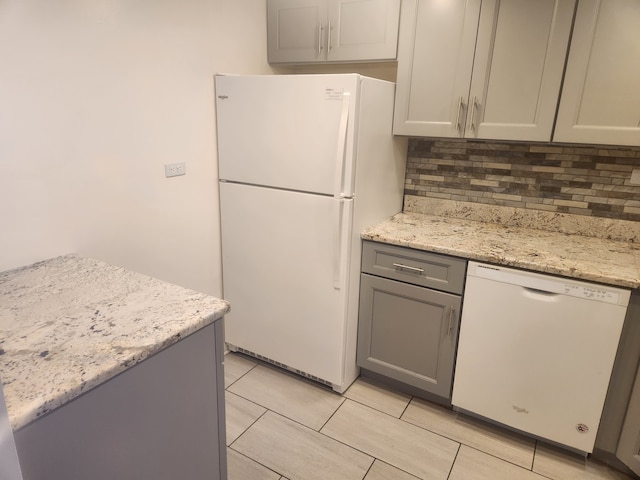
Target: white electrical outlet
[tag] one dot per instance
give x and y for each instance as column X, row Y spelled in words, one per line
column 174, row 169
column 635, row 177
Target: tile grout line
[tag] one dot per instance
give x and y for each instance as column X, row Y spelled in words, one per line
column 255, row 461
column 376, row 409
column 533, row 461
column 454, row 461
column 404, row 410
column 344, row 399
column 252, row 424
column 241, row 376
column 506, row 461
column 369, row 469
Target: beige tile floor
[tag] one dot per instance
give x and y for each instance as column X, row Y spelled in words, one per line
column 283, row 427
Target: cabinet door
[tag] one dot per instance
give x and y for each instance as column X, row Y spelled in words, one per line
column 408, row 333
column 361, row 30
column 435, row 58
column 517, row 73
column 295, row 30
column 600, row 100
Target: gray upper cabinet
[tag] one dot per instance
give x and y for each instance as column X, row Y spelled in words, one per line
column 311, row 31
column 488, row 69
column 600, row 100
column 435, row 61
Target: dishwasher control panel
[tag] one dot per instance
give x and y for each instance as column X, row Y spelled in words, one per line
column 593, row 293
column 548, row 285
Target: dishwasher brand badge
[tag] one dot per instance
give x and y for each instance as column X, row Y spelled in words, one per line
column 333, row 93
column 582, row 428
column 489, row 268
column 520, row 409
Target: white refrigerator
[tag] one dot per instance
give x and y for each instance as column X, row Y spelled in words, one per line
column 305, row 163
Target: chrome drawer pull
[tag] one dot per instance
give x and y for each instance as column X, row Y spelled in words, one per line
column 407, row 267
column 460, row 107
column 451, row 317
column 320, row 28
column 474, row 109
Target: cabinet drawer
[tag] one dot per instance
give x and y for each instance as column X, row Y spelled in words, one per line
column 414, row 266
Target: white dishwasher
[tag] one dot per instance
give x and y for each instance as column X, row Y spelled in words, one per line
column 536, row 352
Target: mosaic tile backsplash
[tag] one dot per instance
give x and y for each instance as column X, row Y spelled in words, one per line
column 583, row 180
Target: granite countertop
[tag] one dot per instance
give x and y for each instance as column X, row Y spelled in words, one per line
column 70, row 323
column 603, row 260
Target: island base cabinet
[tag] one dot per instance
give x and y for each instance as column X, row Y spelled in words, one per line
column 408, row 333
column 161, row 419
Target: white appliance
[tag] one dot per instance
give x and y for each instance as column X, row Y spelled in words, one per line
column 536, row 352
column 305, row 163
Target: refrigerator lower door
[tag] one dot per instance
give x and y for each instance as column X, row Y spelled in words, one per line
column 287, row 292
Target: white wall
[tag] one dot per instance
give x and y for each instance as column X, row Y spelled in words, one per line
column 95, row 96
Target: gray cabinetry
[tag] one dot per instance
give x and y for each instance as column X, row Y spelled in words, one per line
column 600, row 100
column 162, row 419
column 618, row 440
column 316, row 31
column 629, row 446
column 408, row 332
column 481, row 68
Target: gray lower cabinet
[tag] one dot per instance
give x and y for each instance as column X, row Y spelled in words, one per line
column 408, row 332
column 164, row 418
column 629, row 446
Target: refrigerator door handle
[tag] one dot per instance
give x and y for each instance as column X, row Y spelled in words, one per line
column 341, row 238
column 342, row 140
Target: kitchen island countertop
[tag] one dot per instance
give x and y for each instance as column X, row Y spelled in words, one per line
column 70, row 323
column 602, row 260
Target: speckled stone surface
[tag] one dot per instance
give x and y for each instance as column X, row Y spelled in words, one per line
column 590, row 258
column 70, row 323
column 611, row 229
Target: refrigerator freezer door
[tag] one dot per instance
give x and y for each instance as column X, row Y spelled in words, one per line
column 278, row 256
column 284, row 131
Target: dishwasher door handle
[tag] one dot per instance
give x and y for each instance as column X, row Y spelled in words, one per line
column 543, row 295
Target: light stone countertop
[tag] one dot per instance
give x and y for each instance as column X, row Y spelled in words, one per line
column 70, row 323
column 602, row 260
